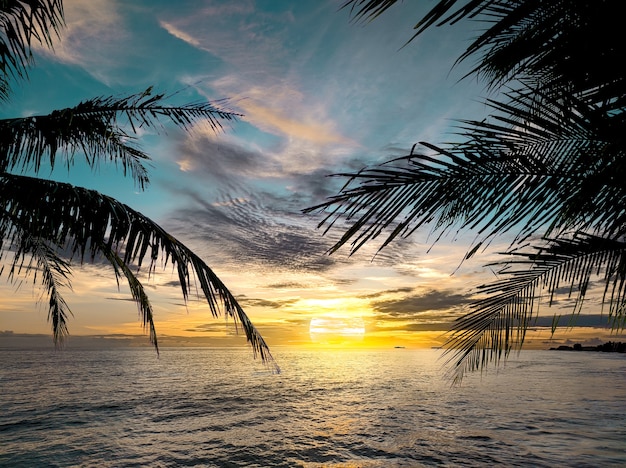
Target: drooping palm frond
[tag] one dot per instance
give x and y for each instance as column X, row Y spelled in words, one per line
column 99, row 128
column 21, row 23
column 371, row 9
column 551, row 158
column 87, row 224
column 137, row 290
column 42, row 221
column 367, row 10
column 35, row 256
column 497, row 322
column 524, row 170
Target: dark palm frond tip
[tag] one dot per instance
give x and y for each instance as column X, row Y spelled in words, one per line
column 87, row 224
column 498, row 321
column 35, row 256
column 540, row 43
column 56, row 272
column 146, row 109
column 96, row 129
column 21, row 23
column 136, row 289
column 405, row 194
column 368, row 10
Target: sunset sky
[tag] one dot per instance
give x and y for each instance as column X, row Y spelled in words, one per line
column 319, row 95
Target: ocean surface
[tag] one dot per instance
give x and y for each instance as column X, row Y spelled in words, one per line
column 361, row 408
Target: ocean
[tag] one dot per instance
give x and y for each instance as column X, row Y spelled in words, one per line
column 357, row 408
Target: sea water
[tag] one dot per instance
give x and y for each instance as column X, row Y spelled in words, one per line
column 357, row 408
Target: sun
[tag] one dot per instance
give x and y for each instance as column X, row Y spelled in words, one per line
column 336, row 330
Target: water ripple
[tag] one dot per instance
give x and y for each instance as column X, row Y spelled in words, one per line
column 200, row 407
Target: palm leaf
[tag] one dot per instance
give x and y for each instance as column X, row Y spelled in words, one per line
column 558, row 47
column 362, row 10
column 555, row 46
column 497, row 322
column 524, row 170
column 99, row 128
column 550, row 158
column 136, row 289
column 34, row 256
column 21, row 23
column 88, row 224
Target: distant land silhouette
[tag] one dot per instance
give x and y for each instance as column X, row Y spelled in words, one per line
column 608, row 347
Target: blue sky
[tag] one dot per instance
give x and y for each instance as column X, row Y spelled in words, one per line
column 319, row 94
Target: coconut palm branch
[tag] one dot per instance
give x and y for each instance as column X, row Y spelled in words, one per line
column 88, row 225
column 564, row 45
column 99, row 129
column 137, row 290
column 36, row 257
column 46, row 224
column 22, row 23
column 556, row 168
column 561, row 47
column 498, row 321
column 367, row 10
column 550, row 158
column 521, row 171
column 560, row 131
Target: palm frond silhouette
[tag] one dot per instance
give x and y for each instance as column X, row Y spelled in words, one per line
column 549, row 161
column 46, row 225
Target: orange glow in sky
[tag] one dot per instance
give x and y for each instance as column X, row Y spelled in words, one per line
column 312, row 105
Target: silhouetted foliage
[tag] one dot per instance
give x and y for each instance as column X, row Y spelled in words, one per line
column 549, row 161
column 45, row 225
column 608, row 347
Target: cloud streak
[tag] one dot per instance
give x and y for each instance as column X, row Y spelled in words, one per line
column 93, row 36
column 249, row 232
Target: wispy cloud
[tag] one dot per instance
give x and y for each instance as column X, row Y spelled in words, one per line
column 180, row 34
column 421, row 302
column 260, row 75
column 93, row 36
column 256, row 302
column 251, row 232
column 276, row 120
column 239, row 33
